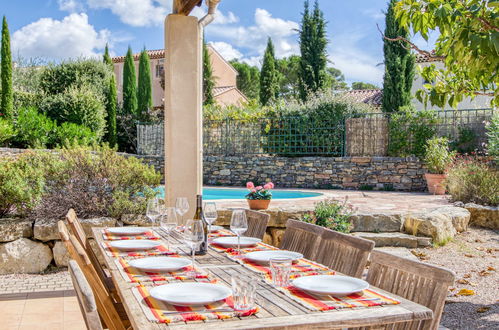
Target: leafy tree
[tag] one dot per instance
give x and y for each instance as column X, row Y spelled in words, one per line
column 111, row 104
column 269, row 78
column 363, row 85
column 129, row 85
column 399, row 64
column 208, row 79
column 107, row 58
column 248, row 79
column 468, row 45
column 337, row 79
column 7, row 102
column 289, row 82
column 313, row 43
column 144, row 94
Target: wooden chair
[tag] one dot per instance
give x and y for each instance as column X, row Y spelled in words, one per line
column 106, row 307
column 302, row 237
column 85, row 296
column 257, row 223
column 344, row 253
column 416, row 281
column 77, row 230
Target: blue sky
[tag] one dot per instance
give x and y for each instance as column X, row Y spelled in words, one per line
column 58, row 29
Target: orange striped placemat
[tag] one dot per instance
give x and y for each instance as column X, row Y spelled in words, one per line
column 134, row 275
column 368, row 298
column 113, row 252
column 162, row 312
column 233, row 251
column 222, row 233
column 148, row 235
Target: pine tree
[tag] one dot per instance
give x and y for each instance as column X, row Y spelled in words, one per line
column 399, row 65
column 208, row 79
column 248, row 79
column 144, row 94
column 107, row 58
column 7, row 102
column 269, row 78
column 111, row 104
column 129, row 85
column 313, row 44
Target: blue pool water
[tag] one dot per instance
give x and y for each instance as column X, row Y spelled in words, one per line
column 224, row 193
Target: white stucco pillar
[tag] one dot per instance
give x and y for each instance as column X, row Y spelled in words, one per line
column 183, row 110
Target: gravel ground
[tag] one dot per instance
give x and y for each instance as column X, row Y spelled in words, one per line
column 473, row 256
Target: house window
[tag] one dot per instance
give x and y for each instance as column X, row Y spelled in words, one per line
column 160, row 68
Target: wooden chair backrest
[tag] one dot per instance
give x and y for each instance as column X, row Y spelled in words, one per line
column 105, row 305
column 257, row 223
column 416, row 281
column 77, row 230
column 85, row 296
column 344, row 253
column 302, row 237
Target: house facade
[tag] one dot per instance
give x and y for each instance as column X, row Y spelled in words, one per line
column 225, row 91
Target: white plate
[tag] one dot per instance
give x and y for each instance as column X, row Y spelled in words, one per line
column 215, row 228
column 123, row 231
column 134, row 245
column 263, row 257
column 232, row 241
column 335, row 285
column 160, row 264
column 190, row 293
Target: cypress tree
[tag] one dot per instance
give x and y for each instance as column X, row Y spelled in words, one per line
column 107, row 58
column 111, row 104
column 269, row 78
column 7, row 102
column 208, row 79
column 313, row 44
column 399, row 65
column 129, row 85
column 144, row 94
column 248, row 79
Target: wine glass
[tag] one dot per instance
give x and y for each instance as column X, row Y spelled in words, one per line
column 238, row 225
column 169, row 222
column 182, row 205
column 193, row 236
column 154, row 209
column 210, row 214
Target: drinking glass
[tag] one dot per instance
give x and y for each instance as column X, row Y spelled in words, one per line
column 238, row 225
column 243, row 293
column 193, row 236
column 210, row 213
column 154, row 209
column 182, row 205
column 169, row 222
column 280, row 268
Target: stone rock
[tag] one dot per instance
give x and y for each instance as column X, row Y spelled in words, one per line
column 441, row 224
column 377, row 222
column 267, row 238
column 394, row 239
column 399, row 252
column 24, row 256
column 46, row 229
column 61, row 255
column 483, row 216
column 277, row 235
column 13, row 228
column 136, row 220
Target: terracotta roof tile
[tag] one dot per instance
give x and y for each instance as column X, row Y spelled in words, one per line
column 420, row 58
column 153, row 54
column 369, row 96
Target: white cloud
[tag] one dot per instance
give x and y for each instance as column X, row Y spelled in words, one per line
column 226, row 50
column 71, row 6
column 375, row 14
column 72, row 37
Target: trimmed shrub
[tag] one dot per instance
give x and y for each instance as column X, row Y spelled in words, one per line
column 473, row 180
column 33, row 129
column 438, row 157
column 331, row 214
column 6, row 131
column 493, row 137
column 69, row 134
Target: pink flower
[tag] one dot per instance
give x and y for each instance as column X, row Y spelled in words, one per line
column 259, row 188
column 271, row 185
column 253, row 190
column 267, row 186
column 250, row 185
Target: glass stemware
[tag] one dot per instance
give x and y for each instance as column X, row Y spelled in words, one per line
column 193, row 236
column 238, row 225
column 169, row 222
column 182, row 206
column 154, row 210
column 210, row 214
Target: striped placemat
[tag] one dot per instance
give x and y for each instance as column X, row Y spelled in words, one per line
column 148, row 235
column 113, row 252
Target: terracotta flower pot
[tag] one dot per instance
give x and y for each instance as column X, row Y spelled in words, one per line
column 435, row 183
column 258, row 204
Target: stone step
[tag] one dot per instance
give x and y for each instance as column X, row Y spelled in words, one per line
column 399, row 252
column 395, row 239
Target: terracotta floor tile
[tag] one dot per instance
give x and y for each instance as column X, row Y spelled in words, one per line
column 42, row 317
column 41, row 326
column 72, row 317
column 75, row 326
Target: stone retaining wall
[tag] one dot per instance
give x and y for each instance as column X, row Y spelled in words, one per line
column 378, row 173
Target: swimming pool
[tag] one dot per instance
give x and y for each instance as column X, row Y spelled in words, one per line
column 239, row 193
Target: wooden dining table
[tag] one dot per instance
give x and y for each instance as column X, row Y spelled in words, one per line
column 276, row 310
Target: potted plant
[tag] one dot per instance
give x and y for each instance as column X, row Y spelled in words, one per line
column 259, row 197
column 437, row 158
